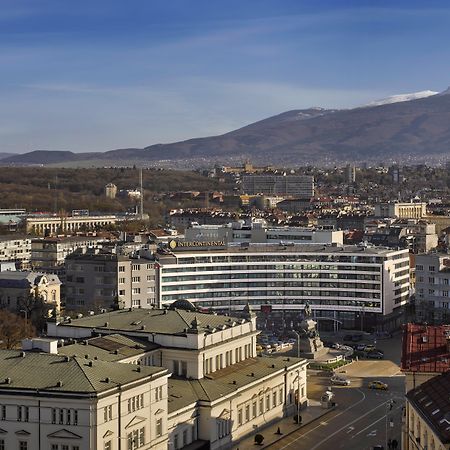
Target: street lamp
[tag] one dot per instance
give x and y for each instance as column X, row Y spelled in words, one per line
column 389, row 405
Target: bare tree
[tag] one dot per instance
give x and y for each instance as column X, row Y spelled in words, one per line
column 13, row 329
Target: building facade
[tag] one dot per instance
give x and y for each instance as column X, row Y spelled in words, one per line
column 100, row 280
column 15, row 248
column 53, row 225
column 18, row 290
column 349, row 284
column 257, row 231
column 58, row 402
column 433, row 288
column 427, row 419
column 286, row 186
column 220, row 391
column 401, row 210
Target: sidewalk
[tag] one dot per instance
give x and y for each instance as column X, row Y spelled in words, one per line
column 287, row 426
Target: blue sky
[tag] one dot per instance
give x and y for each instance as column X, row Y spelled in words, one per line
column 102, row 74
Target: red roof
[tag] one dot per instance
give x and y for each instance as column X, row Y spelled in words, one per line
column 426, row 348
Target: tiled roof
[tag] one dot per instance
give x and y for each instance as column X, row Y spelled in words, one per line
column 425, row 348
column 432, row 400
column 56, row 373
column 158, row 321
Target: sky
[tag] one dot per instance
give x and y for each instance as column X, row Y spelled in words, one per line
column 96, row 75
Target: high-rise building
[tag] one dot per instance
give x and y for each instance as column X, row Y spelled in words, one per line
column 283, row 185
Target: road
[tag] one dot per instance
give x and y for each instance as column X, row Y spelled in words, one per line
column 362, row 416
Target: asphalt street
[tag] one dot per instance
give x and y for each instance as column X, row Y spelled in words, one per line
column 363, row 417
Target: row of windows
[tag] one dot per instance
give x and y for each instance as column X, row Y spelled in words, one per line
column 269, row 293
column 264, row 403
column 287, row 257
column 223, row 360
column 281, row 284
column 285, row 267
column 273, row 275
column 285, row 301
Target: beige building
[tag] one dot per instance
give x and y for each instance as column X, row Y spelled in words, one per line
column 110, row 190
column 53, row 225
column 49, row 254
column 220, row 390
column 17, row 289
column 401, row 210
column 57, row 402
column 427, row 421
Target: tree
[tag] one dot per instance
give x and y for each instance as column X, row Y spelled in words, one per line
column 13, row 329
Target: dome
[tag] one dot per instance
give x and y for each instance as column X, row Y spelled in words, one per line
column 183, row 304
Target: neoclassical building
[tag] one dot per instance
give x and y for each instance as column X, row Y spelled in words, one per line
column 18, row 288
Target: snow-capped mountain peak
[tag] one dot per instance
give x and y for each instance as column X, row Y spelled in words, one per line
column 402, row 98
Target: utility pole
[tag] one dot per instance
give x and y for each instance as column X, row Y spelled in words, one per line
column 142, row 195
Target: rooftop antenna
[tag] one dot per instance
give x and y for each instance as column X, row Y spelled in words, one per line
column 142, row 195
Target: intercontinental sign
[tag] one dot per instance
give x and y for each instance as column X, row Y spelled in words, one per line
column 192, row 244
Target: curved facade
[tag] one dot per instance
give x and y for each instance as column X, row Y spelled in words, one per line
column 331, row 278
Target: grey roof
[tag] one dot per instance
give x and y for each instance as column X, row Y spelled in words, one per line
column 432, row 400
column 24, row 279
column 159, row 321
column 113, row 347
column 55, row 373
column 224, row 382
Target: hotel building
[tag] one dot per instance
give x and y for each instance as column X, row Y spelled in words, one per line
column 357, row 286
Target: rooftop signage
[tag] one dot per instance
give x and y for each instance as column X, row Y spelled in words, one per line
column 173, row 244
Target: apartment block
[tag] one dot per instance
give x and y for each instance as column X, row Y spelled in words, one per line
column 433, row 288
column 101, row 280
column 15, row 248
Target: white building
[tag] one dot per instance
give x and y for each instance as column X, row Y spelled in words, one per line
column 257, row 231
column 221, row 391
column 15, row 248
column 57, row 402
column 340, row 282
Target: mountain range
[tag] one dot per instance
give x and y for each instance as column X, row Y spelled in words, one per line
column 405, row 129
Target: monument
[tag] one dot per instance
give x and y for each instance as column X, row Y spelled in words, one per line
column 311, row 346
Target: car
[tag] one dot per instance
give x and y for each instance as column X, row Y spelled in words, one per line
column 360, row 347
column 339, row 381
column 375, row 355
column 369, row 348
column 378, row 385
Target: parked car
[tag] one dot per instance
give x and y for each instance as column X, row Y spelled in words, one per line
column 375, row 355
column 369, row 348
column 378, row 385
column 339, row 381
column 360, row 347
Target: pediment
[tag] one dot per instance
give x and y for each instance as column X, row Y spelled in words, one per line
column 63, row 434
column 225, row 414
column 134, row 421
column 159, row 411
column 22, row 433
column 107, row 434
